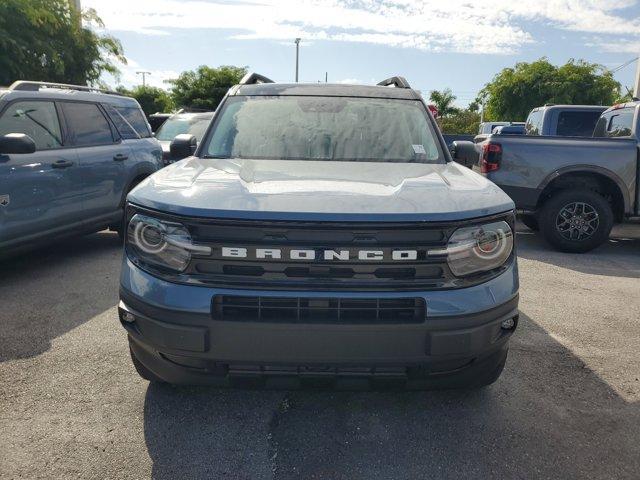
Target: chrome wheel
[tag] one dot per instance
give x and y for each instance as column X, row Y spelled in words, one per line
column 577, row 221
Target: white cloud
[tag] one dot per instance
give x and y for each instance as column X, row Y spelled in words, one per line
column 489, row 26
column 624, row 46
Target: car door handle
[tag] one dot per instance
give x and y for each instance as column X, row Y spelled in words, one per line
column 118, row 157
column 62, row 164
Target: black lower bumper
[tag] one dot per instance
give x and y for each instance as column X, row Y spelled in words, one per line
column 187, row 348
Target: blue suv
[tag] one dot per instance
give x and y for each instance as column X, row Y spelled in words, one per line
column 68, row 157
column 319, row 234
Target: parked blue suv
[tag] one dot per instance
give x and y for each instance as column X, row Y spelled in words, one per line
column 68, row 157
column 319, row 235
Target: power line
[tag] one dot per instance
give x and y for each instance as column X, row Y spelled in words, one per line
column 620, row 67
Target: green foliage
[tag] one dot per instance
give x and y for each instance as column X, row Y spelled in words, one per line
column 151, row 99
column 443, row 101
column 44, row 40
column 515, row 91
column 204, row 88
column 461, row 122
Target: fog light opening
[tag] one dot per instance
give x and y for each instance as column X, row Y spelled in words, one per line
column 508, row 324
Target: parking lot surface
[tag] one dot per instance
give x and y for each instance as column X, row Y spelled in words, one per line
column 567, row 405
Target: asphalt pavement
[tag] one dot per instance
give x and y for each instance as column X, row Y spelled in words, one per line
column 567, row 405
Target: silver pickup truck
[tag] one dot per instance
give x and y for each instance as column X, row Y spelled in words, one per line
column 573, row 189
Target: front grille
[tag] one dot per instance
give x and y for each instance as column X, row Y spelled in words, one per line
column 290, row 274
column 425, row 272
column 358, row 311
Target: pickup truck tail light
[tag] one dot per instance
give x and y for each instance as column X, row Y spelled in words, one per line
column 490, row 158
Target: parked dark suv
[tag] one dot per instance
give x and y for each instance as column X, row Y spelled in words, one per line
column 319, row 233
column 68, row 157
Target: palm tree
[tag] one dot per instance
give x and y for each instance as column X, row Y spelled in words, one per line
column 443, row 100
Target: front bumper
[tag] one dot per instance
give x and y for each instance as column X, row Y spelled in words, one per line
column 174, row 334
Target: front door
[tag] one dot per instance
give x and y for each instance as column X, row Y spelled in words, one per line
column 41, row 192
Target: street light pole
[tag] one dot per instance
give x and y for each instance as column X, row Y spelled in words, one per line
column 144, row 77
column 297, row 56
column 636, row 85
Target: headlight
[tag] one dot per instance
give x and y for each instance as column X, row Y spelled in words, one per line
column 479, row 248
column 160, row 243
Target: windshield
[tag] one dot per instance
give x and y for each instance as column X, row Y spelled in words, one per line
column 193, row 124
column 324, row 128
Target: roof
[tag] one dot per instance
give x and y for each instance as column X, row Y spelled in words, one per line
column 66, row 94
column 325, row 90
column 574, row 107
column 618, row 106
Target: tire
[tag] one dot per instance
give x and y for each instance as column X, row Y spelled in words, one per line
column 576, row 221
column 531, row 222
column 143, row 371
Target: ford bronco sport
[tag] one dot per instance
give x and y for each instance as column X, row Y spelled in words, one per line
column 69, row 155
column 319, row 234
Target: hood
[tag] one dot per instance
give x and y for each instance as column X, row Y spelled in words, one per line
column 320, row 190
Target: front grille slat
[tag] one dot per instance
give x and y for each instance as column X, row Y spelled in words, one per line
column 304, row 310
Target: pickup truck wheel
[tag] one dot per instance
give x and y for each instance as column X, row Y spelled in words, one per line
column 576, row 221
column 530, row 221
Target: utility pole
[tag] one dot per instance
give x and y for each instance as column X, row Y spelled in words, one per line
column 326, row 77
column 636, row 84
column 76, row 4
column 297, row 56
column 144, row 77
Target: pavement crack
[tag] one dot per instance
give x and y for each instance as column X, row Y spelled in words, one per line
column 283, row 407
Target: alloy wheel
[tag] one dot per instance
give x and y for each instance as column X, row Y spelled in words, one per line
column 577, row 221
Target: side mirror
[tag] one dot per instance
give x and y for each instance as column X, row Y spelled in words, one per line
column 183, row 146
column 16, row 143
column 465, row 153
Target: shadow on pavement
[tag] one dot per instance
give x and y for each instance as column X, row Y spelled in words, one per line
column 48, row 292
column 620, row 256
column 548, row 416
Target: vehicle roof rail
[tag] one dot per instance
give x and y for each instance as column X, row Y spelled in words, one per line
column 254, row 78
column 398, row 82
column 27, row 85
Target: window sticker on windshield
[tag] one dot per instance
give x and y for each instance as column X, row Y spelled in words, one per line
column 419, row 150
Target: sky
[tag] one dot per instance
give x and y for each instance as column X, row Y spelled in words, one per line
column 435, row 44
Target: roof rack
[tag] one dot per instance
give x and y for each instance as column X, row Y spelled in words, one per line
column 398, row 82
column 26, row 85
column 254, row 78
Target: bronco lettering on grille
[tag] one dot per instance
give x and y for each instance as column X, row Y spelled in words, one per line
column 311, row 254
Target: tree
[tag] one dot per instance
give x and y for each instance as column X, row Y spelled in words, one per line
column 461, row 122
column 204, row 88
column 44, row 40
column 151, row 99
column 515, row 91
column 443, row 101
